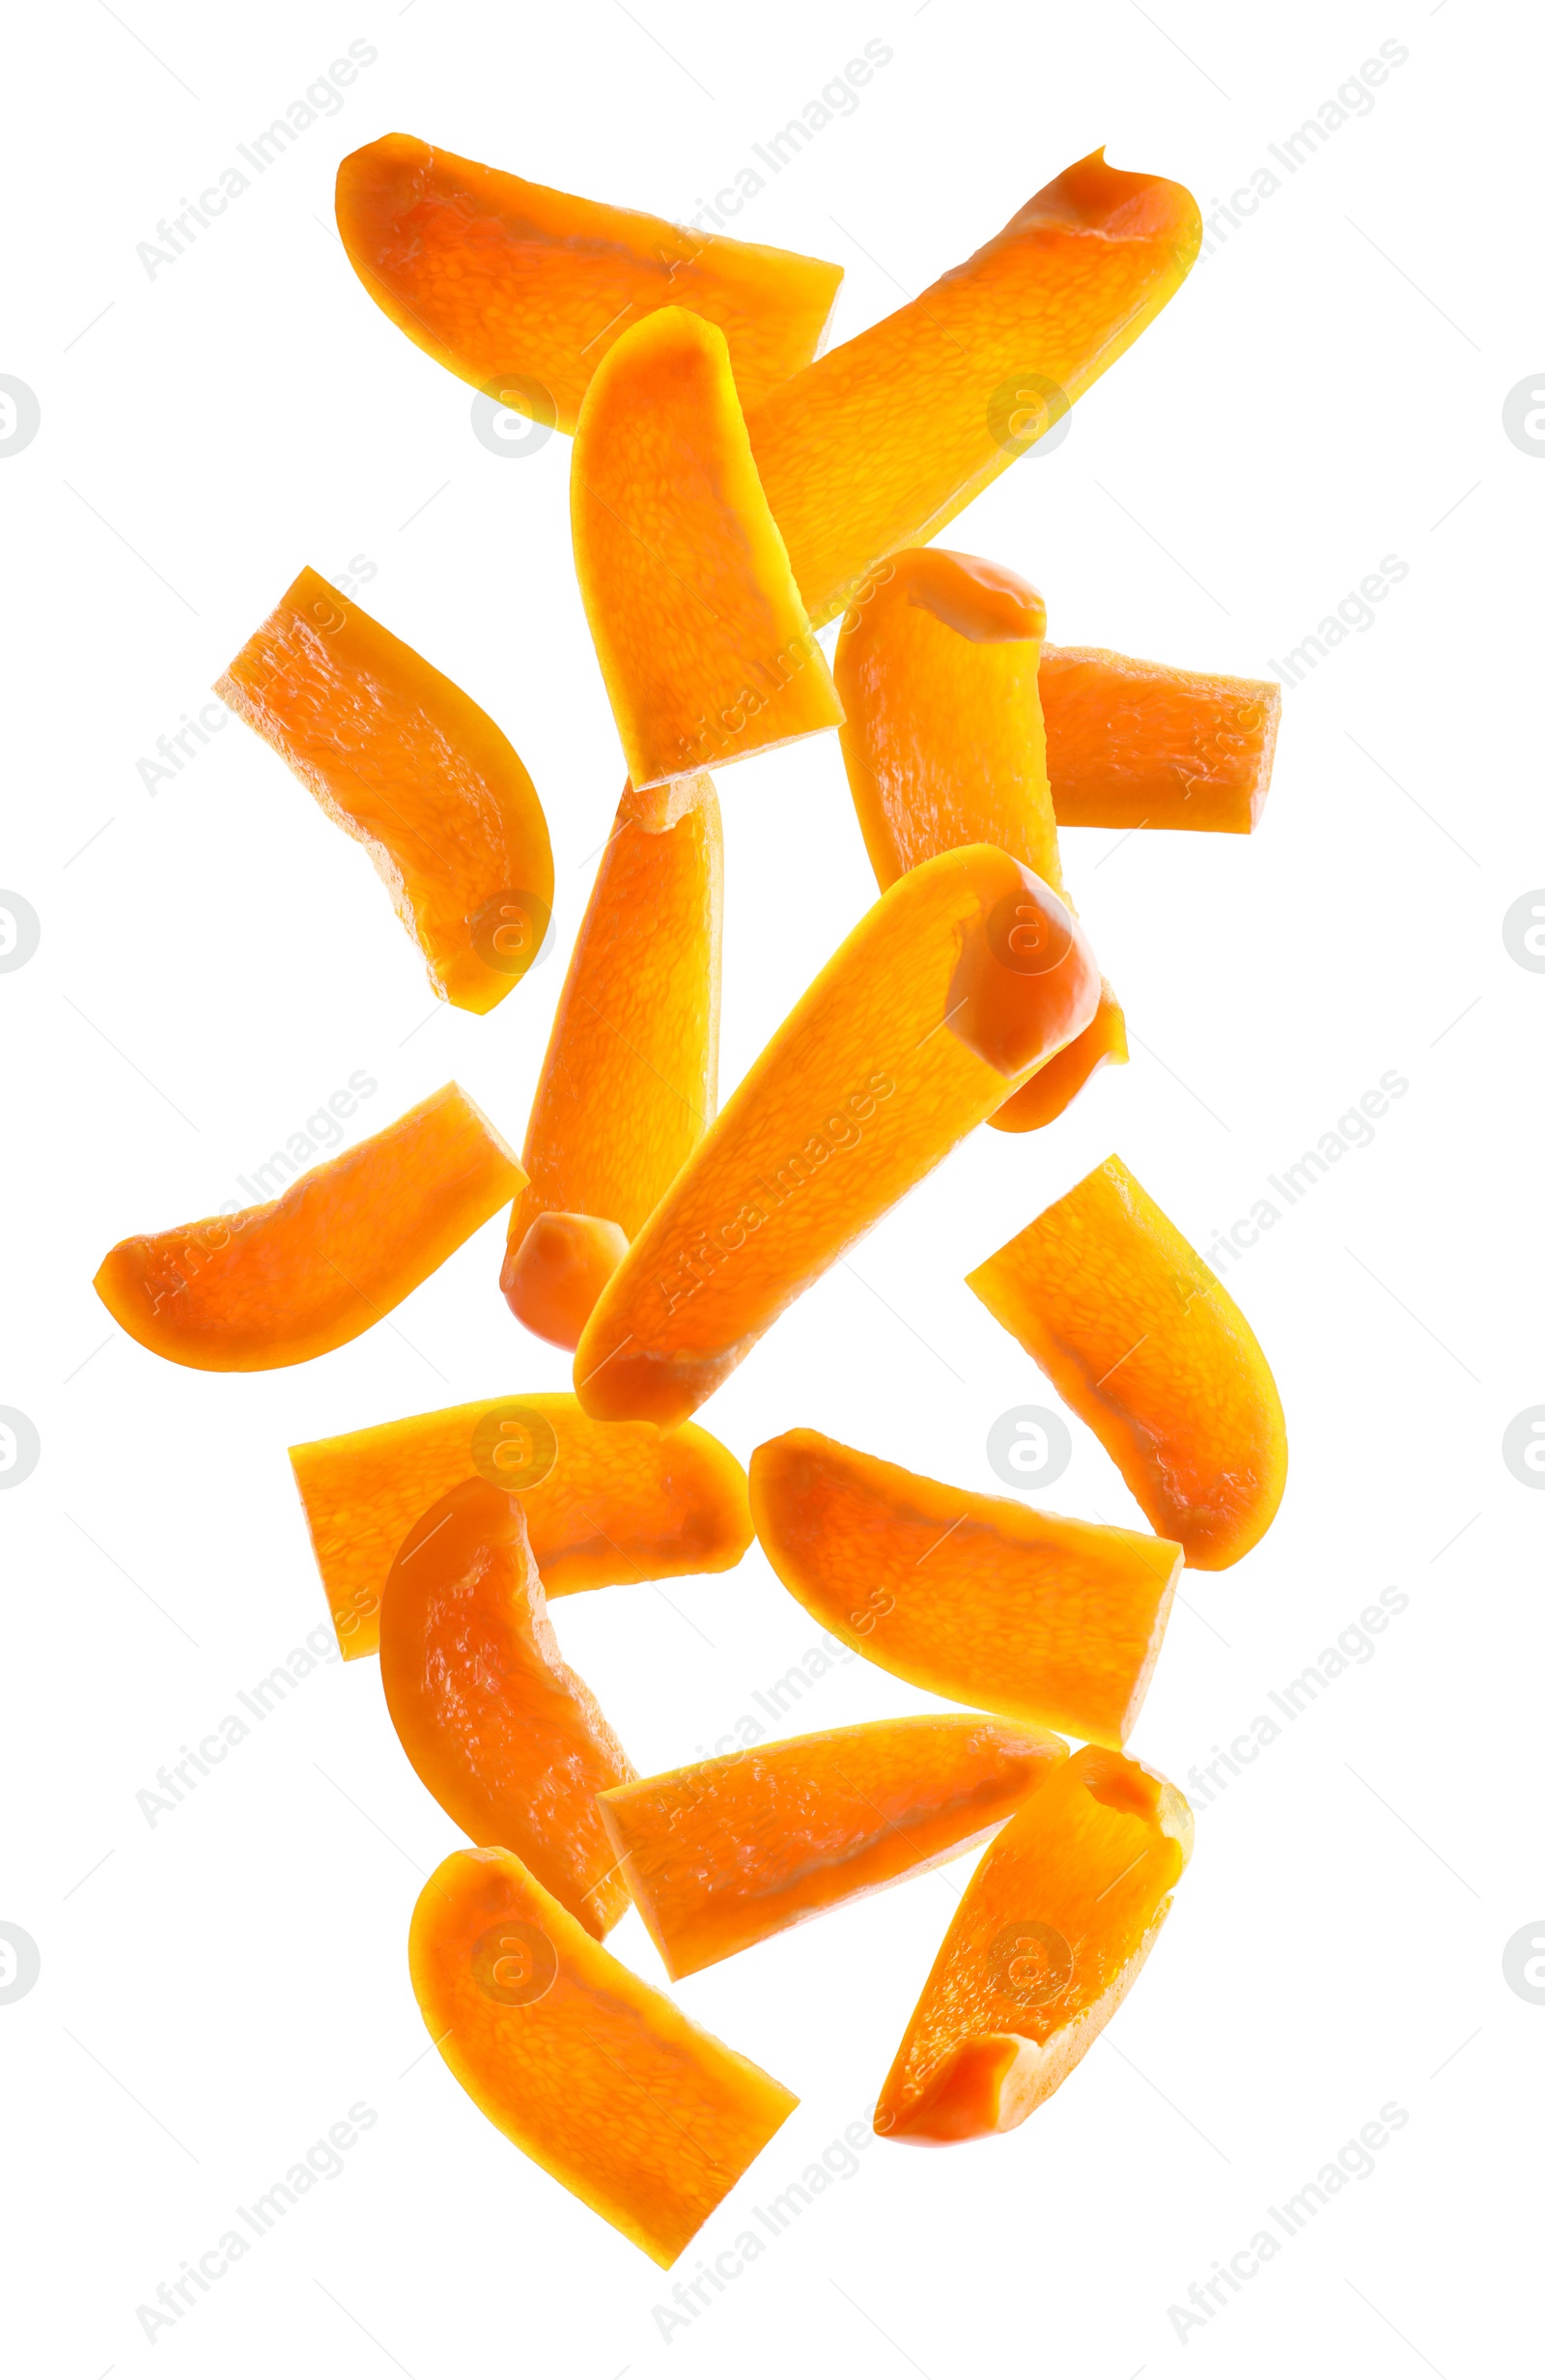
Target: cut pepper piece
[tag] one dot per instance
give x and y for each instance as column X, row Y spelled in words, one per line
column 962, row 978
column 884, row 439
column 600, row 2080
column 702, row 639
column 1138, row 743
column 944, row 743
column 508, row 1739
column 410, row 766
column 630, row 1079
column 553, row 1279
column 1144, row 1343
column 605, row 1503
column 309, row 1271
column 503, row 281
column 976, row 1597
column 722, row 1855
column 1048, row 1940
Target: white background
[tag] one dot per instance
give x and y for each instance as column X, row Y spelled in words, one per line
column 216, row 1991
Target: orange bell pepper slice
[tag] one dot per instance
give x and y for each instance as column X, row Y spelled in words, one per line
column 943, row 744
column 1139, row 744
column 604, row 1502
column 1046, row 1942
column 630, row 1079
column 726, row 1852
column 410, row 766
column 963, row 977
column 508, row 1739
column 1144, row 1343
column 882, row 440
column 278, row 1283
column 502, row 280
column 600, row 2080
column 702, row 639
column 975, row 1597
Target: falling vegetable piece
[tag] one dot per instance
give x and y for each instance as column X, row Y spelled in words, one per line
column 309, row 1271
column 702, row 639
column 976, row 1597
column 597, row 2077
column 943, row 745
column 554, row 1277
column 405, row 763
column 963, row 977
column 1048, row 1940
column 882, row 440
column 1136, row 743
column 604, row 1502
column 521, row 289
column 722, row 1855
column 508, row 1739
column 1147, row 1346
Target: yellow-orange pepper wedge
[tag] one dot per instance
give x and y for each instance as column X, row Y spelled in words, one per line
column 702, row 639
column 307, row 1272
column 410, row 766
column 976, row 1597
column 722, row 1855
column 1139, row 744
column 629, row 1082
column 600, row 2080
column 963, row 977
column 521, row 289
column 1048, row 1940
column 943, row 744
column 553, row 1279
column 508, row 1739
column 604, row 1502
column 1141, row 1338
column 881, row 440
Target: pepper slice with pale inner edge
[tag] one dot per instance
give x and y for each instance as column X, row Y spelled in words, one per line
column 1140, row 744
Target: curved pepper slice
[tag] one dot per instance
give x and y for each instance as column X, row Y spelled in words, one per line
column 508, row 1739
column 1139, row 744
column 278, row 1283
column 698, row 627
column 963, row 977
column 604, row 1502
column 943, row 744
column 1144, row 1343
column 630, row 1079
column 1048, row 1940
column 500, row 279
column 410, row 766
column 976, row 1597
column 724, row 1854
column 882, row 440
column 600, row 2080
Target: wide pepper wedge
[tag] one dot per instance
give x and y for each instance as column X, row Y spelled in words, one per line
column 408, row 765
column 979, row 1599
column 1141, row 1338
column 278, row 1283
column 606, row 1503
column 964, row 975
column 1140, row 744
column 726, row 1852
column 600, row 2080
column 1049, row 1939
